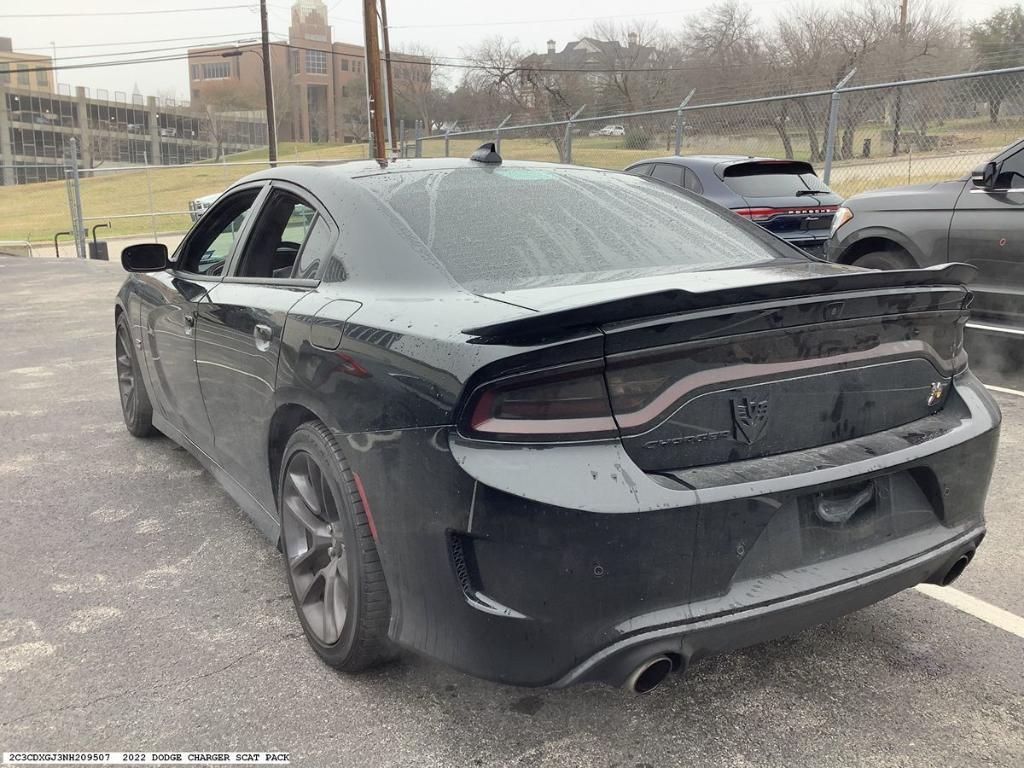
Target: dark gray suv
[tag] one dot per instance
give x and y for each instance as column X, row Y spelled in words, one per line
column 977, row 219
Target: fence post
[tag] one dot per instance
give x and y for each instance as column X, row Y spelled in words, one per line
column 149, row 186
column 679, row 121
column 447, row 132
column 77, row 221
column 833, row 126
column 401, row 138
column 567, row 141
column 497, row 134
column 419, row 139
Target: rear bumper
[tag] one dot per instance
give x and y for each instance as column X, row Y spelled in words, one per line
column 547, row 567
column 688, row 642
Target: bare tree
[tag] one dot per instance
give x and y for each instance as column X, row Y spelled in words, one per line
column 354, row 123
column 634, row 62
column 221, row 99
column 423, row 89
column 503, row 79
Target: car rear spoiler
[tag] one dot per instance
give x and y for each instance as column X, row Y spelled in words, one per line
column 678, row 300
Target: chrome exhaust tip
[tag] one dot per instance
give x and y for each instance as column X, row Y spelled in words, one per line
column 649, row 675
column 957, row 568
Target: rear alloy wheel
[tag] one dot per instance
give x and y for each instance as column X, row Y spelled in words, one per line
column 334, row 573
column 884, row 260
column 135, row 406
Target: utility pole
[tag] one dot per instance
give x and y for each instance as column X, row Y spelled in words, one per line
column 268, row 86
column 898, row 106
column 390, row 79
column 373, row 79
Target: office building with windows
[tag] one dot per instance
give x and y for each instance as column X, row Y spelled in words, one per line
column 25, row 71
column 319, row 84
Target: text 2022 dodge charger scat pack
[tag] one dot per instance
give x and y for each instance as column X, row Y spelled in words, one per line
column 554, row 424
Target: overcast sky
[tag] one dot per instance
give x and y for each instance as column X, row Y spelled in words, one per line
column 446, row 26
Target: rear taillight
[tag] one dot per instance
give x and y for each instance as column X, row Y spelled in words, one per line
column 763, row 214
column 755, row 214
column 543, row 406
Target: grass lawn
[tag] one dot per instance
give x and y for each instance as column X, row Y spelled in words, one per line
column 36, row 212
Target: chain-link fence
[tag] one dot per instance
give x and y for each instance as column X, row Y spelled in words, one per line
column 858, row 137
column 875, row 135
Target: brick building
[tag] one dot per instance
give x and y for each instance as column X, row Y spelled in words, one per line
column 319, row 84
column 22, row 77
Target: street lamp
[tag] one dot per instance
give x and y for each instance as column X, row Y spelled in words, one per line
column 268, row 91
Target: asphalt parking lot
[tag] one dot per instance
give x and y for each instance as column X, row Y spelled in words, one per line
column 141, row 610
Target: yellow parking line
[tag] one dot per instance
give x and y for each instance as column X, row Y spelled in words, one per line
column 987, row 612
column 1004, row 390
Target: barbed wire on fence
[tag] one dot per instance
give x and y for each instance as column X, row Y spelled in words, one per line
column 884, row 133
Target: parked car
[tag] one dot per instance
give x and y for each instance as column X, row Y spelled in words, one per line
column 975, row 219
column 552, row 424
column 612, row 130
column 785, row 197
column 197, row 207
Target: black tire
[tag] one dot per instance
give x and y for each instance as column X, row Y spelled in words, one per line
column 328, row 549
column 136, row 407
column 885, row 260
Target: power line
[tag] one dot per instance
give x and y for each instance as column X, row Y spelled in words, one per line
column 437, row 62
column 136, row 42
column 149, row 12
column 63, row 59
column 526, row 22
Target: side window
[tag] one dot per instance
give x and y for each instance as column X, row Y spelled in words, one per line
column 314, row 250
column 272, row 250
column 670, row 174
column 1011, row 172
column 211, row 242
column 642, row 170
column 691, row 182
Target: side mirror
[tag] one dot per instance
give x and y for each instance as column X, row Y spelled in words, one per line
column 144, row 257
column 985, row 175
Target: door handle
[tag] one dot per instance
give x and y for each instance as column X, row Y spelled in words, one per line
column 263, row 335
column 190, row 323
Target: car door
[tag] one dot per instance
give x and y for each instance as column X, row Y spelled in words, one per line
column 169, row 313
column 241, row 324
column 987, row 230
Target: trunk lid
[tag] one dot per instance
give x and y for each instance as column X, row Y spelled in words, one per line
column 761, row 379
column 758, row 361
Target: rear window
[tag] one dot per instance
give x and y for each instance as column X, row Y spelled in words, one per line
column 774, row 179
column 503, row 227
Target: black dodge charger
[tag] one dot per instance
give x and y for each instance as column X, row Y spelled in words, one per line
column 554, row 424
